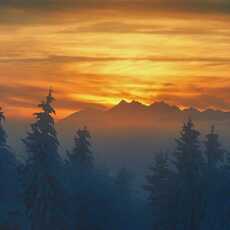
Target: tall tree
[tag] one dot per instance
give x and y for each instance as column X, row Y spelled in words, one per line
column 81, row 155
column 82, row 180
column 43, row 190
column 213, row 149
column 160, row 188
column 91, row 194
column 189, row 163
column 215, row 180
column 223, row 199
column 11, row 208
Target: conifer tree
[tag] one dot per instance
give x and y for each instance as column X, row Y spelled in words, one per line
column 160, row 188
column 190, row 164
column 215, row 181
column 188, row 155
column 81, row 155
column 82, row 180
column 213, row 149
column 43, row 190
column 222, row 200
column 222, row 208
column 91, row 194
column 11, row 208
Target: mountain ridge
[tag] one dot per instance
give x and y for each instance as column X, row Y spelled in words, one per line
column 156, row 110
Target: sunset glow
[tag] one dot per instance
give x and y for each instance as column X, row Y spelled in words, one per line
column 182, row 57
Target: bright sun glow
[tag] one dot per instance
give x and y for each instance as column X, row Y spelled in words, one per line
column 105, row 59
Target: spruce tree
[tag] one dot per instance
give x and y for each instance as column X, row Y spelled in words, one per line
column 189, row 163
column 11, row 208
column 188, row 155
column 160, row 187
column 91, row 195
column 215, row 181
column 213, row 149
column 223, row 198
column 82, row 180
column 81, row 156
column 43, row 190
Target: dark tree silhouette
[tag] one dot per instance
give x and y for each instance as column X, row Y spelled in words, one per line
column 81, row 155
column 214, row 181
column 91, row 190
column 189, row 163
column 81, row 178
column 161, row 191
column 43, row 190
column 222, row 199
column 11, row 206
column 213, row 149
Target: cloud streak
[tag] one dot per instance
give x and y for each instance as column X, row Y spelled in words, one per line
column 60, row 59
column 200, row 5
column 41, row 11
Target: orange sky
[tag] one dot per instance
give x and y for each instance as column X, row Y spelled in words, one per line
column 95, row 57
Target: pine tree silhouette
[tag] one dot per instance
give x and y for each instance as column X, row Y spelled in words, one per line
column 81, row 155
column 82, row 180
column 161, row 191
column 222, row 208
column 91, row 191
column 213, row 149
column 190, row 164
column 214, row 180
column 11, row 206
column 43, row 190
column 188, row 156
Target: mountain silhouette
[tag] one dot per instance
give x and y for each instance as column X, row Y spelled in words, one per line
column 128, row 113
column 126, row 107
column 163, row 107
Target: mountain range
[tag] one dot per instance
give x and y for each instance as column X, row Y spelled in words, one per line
column 135, row 112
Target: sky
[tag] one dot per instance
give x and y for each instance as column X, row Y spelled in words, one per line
column 94, row 53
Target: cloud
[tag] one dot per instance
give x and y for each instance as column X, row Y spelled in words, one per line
column 201, row 101
column 25, row 8
column 60, row 59
column 122, row 27
column 188, row 4
column 198, row 94
column 19, row 97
